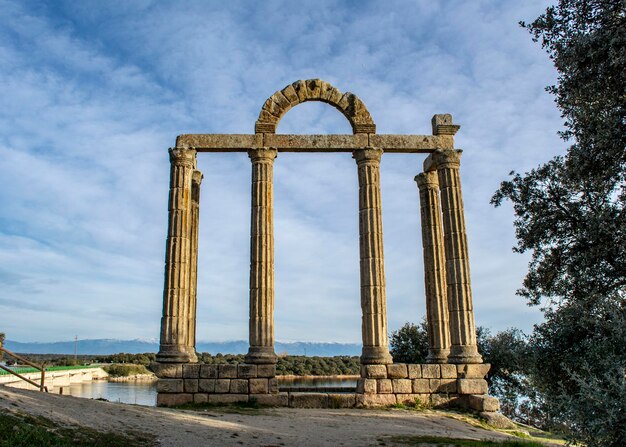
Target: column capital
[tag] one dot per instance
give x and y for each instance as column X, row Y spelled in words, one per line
column 427, row 180
column 262, row 154
column 368, row 154
column 448, row 158
column 183, row 156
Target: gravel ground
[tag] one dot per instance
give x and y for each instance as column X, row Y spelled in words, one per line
column 255, row 427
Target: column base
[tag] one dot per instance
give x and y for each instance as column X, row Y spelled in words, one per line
column 464, row 354
column 375, row 355
column 437, row 355
column 193, row 357
column 261, row 355
column 173, row 354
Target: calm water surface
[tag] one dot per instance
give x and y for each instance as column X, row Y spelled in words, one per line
column 138, row 393
column 142, row 393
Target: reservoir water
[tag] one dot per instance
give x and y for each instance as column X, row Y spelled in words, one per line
column 144, row 393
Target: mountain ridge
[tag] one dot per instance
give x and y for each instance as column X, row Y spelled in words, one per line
column 105, row 346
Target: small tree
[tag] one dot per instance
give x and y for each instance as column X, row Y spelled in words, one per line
column 1, row 338
column 409, row 344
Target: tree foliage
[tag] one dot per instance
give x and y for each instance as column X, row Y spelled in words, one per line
column 570, row 214
column 409, row 344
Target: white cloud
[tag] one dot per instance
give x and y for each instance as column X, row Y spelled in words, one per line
column 92, row 96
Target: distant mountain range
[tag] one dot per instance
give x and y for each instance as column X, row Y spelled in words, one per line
column 111, row 346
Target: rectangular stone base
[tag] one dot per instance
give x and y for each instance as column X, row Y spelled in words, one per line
column 436, row 385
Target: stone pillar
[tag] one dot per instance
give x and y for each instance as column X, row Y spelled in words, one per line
column 462, row 327
column 196, row 180
column 434, row 269
column 262, row 258
column 175, row 320
column 373, row 299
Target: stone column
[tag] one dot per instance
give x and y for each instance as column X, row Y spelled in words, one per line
column 373, row 299
column 262, row 258
column 175, row 320
column 462, row 327
column 434, row 269
column 196, row 180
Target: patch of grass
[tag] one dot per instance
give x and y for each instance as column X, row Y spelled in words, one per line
column 456, row 442
column 18, row 430
column 125, row 369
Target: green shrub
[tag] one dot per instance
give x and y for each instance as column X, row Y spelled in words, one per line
column 125, row 370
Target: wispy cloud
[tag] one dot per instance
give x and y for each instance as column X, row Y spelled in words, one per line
column 93, row 93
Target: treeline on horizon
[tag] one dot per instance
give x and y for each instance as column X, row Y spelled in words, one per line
column 298, row 365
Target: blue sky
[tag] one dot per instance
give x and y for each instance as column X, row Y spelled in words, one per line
column 92, row 94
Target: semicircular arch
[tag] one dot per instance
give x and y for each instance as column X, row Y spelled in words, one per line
column 301, row 91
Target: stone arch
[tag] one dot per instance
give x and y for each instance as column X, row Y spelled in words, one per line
column 314, row 90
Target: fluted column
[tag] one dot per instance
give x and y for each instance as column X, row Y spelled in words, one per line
column 262, row 258
column 373, row 295
column 175, row 320
column 462, row 327
column 196, row 180
column 434, row 269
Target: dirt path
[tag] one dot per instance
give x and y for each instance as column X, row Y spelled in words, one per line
column 264, row 427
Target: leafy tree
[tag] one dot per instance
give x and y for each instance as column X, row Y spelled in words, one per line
column 409, row 344
column 570, row 214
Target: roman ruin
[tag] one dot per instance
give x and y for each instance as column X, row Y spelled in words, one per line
column 454, row 373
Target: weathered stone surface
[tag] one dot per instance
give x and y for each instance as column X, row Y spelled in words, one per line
column 191, row 385
column 271, row 400
column 497, row 420
column 431, row 371
column 463, row 347
column 415, row 371
column 472, row 386
column 172, row 400
column 208, row 371
column 308, row 400
column 222, row 385
column 176, row 299
column 397, row 371
column 370, row 386
column 483, row 403
column 261, row 321
column 375, row 400
column 341, row 400
column 206, row 385
column 372, row 272
column 402, row 386
column 434, row 269
column 227, row 371
column 245, row 371
column 446, row 386
column 259, row 386
column 268, row 371
column 170, row 386
column 272, row 386
column 384, row 386
column 421, row 386
column 239, row 386
column 227, row 398
column 443, row 400
column 473, row 371
column 191, row 371
column 448, row 371
column 374, row 371
column 200, row 398
column 167, row 370
column 407, row 399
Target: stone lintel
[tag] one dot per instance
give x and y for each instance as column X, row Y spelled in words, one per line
column 314, row 143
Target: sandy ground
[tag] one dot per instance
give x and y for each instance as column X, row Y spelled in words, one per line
column 264, row 427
